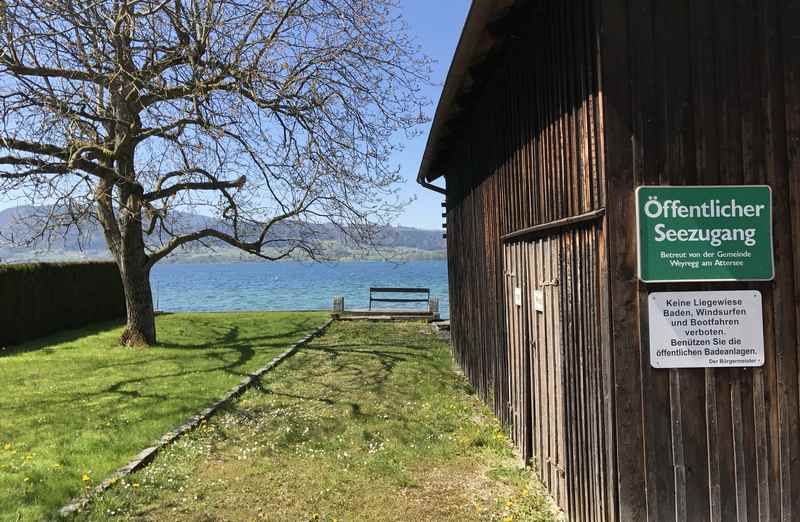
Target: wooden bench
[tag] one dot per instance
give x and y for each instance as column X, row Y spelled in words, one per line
column 385, row 290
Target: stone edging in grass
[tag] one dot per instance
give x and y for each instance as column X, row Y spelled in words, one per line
column 146, row 456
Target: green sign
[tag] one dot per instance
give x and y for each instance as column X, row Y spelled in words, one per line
column 707, row 233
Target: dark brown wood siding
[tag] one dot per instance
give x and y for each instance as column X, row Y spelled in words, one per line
column 701, row 93
column 580, row 103
column 527, row 151
column 558, row 366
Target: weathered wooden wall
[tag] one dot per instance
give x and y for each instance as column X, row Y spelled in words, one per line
column 704, row 92
column 527, row 153
column 579, row 104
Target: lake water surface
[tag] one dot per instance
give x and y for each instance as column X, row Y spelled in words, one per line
column 288, row 285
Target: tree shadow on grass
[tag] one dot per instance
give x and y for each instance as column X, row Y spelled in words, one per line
column 228, row 342
column 46, row 344
column 140, row 386
column 350, row 359
column 357, row 377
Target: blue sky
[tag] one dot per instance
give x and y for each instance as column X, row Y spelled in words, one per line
column 436, row 25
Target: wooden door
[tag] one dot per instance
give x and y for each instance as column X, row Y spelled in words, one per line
column 516, row 306
column 547, row 366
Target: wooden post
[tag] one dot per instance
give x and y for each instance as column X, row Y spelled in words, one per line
column 433, row 307
column 338, row 305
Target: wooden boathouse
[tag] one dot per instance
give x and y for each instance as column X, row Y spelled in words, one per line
column 553, row 113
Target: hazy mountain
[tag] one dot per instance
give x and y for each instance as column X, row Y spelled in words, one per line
column 88, row 242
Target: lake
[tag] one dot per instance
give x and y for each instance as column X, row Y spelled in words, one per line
column 287, row 285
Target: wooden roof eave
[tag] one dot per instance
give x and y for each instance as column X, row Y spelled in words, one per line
column 478, row 37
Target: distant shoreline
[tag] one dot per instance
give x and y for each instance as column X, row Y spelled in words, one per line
column 226, row 257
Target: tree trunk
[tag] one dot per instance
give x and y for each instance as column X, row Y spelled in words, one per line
column 135, row 271
column 124, row 232
column 141, row 327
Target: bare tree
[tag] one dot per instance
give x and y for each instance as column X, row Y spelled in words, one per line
column 258, row 111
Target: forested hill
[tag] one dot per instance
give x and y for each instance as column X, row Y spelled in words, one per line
column 398, row 243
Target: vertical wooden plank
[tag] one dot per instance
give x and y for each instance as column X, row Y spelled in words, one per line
column 540, row 376
column 740, row 469
column 665, row 469
column 715, row 445
column 625, row 353
column 679, row 463
column 525, row 374
column 603, row 432
column 762, row 451
column 585, row 422
column 517, row 312
column 788, row 13
column 530, row 340
column 673, row 42
column 552, row 376
column 703, row 48
column 558, row 353
column 571, row 109
column 608, row 406
column 782, row 137
column 569, row 439
column 521, row 371
column 508, row 271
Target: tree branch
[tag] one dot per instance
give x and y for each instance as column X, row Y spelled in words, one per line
column 253, row 247
column 164, row 129
column 54, row 151
column 50, row 72
column 199, row 185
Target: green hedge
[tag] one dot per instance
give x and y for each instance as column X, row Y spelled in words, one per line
column 37, row 299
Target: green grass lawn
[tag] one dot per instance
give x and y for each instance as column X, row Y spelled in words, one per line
column 369, row 422
column 77, row 406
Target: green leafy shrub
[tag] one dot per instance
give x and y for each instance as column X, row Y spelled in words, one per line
column 38, row 299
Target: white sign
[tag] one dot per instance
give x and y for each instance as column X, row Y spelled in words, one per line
column 538, row 300
column 518, row 296
column 706, row 329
